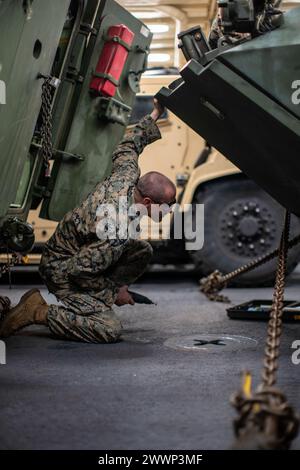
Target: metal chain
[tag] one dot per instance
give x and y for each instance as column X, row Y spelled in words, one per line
column 5, row 267
column 275, row 322
column 46, row 130
column 266, row 420
column 47, row 152
column 5, row 303
column 216, row 281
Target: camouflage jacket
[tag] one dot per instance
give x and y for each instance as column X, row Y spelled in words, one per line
column 75, row 244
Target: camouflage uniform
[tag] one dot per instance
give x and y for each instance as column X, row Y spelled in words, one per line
column 85, row 272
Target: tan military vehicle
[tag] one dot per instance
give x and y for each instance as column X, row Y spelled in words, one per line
column 241, row 221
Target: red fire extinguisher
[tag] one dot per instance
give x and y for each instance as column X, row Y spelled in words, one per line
column 112, row 60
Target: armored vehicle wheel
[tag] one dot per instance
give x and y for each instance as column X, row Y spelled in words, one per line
column 241, row 223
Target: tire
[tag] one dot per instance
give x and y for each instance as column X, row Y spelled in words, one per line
column 241, row 223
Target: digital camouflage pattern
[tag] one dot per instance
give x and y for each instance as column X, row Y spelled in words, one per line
column 85, row 272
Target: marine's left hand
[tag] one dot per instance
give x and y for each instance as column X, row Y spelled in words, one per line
column 123, row 297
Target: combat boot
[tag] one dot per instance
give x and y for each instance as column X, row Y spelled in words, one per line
column 32, row 309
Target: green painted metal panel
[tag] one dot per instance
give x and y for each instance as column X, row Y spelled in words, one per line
column 28, row 43
column 241, row 117
column 77, row 127
column 271, row 62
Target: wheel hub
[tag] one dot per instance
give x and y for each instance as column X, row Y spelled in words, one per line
column 248, row 228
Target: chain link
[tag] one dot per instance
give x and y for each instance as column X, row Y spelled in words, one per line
column 11, row 262
column 275, row 322
column 47, row 152
column 46, row 129
column 5, row 303
column 216, row 281
column 266, row 420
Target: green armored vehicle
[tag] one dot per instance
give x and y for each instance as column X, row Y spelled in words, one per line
column 240, row 91
column 69, row 72
column 243, row 97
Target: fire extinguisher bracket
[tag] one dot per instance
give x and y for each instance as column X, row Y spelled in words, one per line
column 118, row 40
column 107, row 76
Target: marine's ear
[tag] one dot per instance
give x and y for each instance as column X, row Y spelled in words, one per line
column 147, row 201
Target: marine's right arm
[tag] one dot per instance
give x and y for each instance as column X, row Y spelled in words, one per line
column 125, row 157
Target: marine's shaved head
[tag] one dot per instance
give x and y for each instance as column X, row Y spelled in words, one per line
column 157, row 187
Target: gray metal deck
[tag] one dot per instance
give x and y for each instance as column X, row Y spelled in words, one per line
column 139, row 393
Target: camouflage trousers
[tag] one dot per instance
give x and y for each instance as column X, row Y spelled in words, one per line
column 87, row 314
